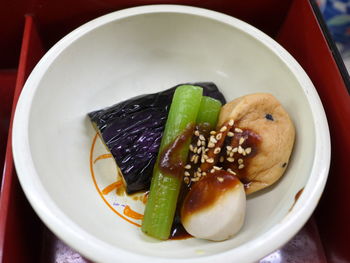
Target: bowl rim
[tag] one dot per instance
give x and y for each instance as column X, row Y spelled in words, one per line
column 100, row 251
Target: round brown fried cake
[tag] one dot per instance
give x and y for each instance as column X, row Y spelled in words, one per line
column 264, row 115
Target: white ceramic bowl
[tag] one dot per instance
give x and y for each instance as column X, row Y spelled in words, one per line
column 143, row 50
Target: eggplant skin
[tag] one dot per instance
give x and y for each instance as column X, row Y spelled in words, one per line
column 132, row 131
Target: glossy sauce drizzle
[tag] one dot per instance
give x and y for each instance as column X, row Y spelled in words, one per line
column 207, row 191
column 296, row 197
column 252, row 141
column 177, row 230
column 170, row 161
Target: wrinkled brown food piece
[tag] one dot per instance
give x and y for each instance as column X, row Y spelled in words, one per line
column 263, row 114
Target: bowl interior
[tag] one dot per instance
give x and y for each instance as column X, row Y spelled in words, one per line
column 144, row 54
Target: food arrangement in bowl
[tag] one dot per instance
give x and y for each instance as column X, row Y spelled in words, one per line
column 202, row 157
column 115, row 161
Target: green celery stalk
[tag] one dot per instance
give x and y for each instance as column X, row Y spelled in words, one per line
column 209, row 111
column 164, row 191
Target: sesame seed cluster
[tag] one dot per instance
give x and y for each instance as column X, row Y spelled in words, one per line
column 223, row 149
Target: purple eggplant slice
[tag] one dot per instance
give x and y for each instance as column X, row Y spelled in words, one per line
column 132, row 132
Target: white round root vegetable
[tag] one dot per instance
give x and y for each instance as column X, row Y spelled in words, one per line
column 215, row 207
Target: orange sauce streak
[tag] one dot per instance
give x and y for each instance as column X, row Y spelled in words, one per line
column 111, row 187
column 98, row 190
column 131, row 213
column 103, row 156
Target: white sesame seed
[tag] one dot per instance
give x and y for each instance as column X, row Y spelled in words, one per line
column 217, row 150
column 243, row 152
column 229, row 148
column 191, row 147
column 188, row 166
column 199, row 150
column 240, row 161
column 230, row 134
column 194, row 179
column 230, row 171
column 186, row 173
column 217, row 168
column 204, row 174
column 199, row 143
column 187, row 180
column 205, row 156
column 201, row 137
column 231, row 122
column 210, row 160
column 199, row 169
column 238, row 130
column 213, row 132
column 192, row 158
column 212, row 139
column 241, row 166
column 230, row 159
column 196, row 159
column 248, row 150
column 195, row 149
column 241, row 141
column 218, row 136
column 240, row 149
column 203, row 143
column 223, row 128
column 235, row 149
column 212, row 170
column 220, row 179
column 231, row 154
column 211, row 145
column 202, row 160
column 222, row 159
column 196, row 133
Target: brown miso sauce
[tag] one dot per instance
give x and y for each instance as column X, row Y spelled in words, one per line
column 252, row 140
column 170, row 161
column 177, row 230
column 204, row 128
column 298, row 194
column 220, row 143
column 296, row 197
column 207, row 191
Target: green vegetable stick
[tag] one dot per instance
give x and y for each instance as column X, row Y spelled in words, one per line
column 209, row 111
column 164, row 191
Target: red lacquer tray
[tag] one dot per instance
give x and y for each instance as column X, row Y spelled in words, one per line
column 29, row 28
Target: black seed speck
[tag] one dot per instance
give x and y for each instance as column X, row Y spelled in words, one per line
column 269, row 117
column 284, row 165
